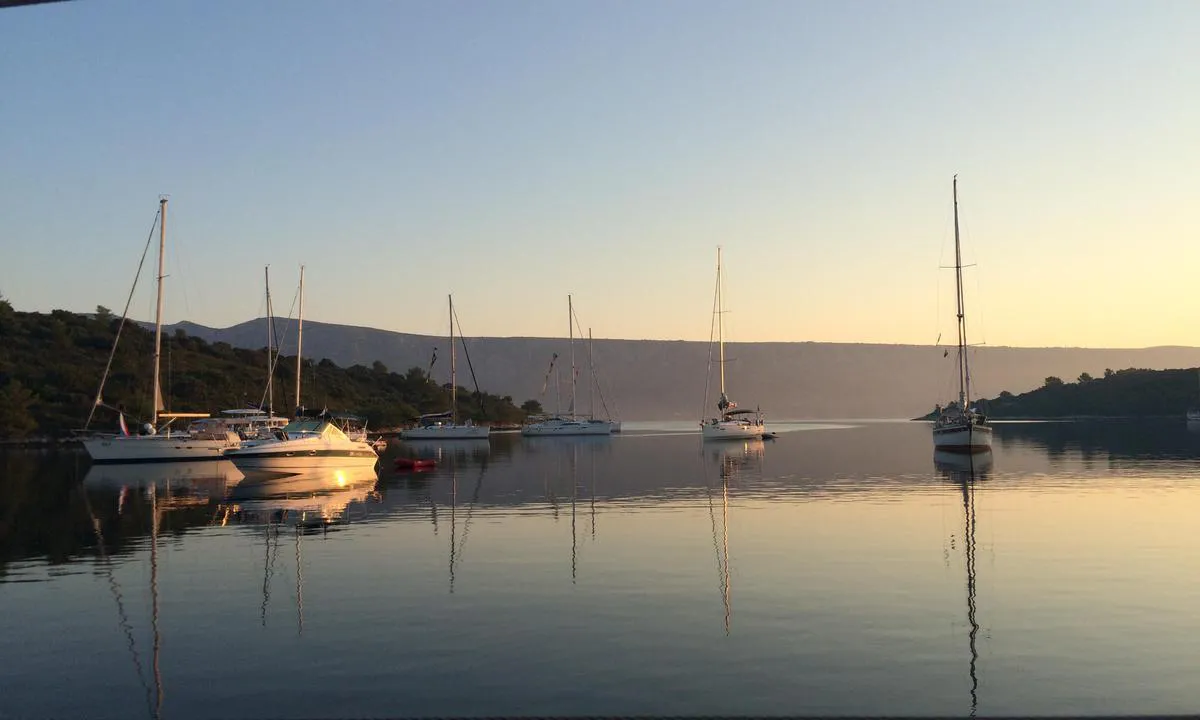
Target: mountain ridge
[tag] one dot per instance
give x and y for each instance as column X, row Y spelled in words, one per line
column 665, row 379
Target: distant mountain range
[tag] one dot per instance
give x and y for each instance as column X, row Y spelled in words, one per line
column 665, row 379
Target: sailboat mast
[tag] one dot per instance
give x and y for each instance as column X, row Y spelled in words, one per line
column 453, row 368
column 592, row 383
column 964, row 377
column 270, row 345
column 162, row 244
column 300, row 340
column 571, row 333
column 721, row 320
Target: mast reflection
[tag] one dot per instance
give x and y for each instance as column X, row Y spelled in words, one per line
column 964, row 470
column 735, row 462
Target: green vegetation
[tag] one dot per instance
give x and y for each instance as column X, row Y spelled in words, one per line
column 1120, row 393
column 50, row 367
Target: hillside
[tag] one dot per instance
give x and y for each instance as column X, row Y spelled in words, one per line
column 664, row 379
column 1120, row 393
column 51, row 364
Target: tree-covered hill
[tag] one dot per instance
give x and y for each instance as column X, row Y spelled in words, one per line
column 1121, row 393
column 51, row 365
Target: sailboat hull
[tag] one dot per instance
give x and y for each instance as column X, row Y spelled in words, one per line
column 726, row 430
column 963, row 438
column 155, row 449
column 447, row 432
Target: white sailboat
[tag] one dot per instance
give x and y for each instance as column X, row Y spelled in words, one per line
column 445, row 426
column 733, row 423
column 960, row 427
column 570, row 425
column 200, row 441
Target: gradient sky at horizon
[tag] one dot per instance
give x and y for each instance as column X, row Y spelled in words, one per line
column 514, row 152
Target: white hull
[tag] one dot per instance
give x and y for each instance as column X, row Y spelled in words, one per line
column 302, row 461
column 726, row 430
column 447, row 432
column 155, row 448
column 969, row 438
column 567, row 427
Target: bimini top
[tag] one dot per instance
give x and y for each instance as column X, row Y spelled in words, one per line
column 307, row 428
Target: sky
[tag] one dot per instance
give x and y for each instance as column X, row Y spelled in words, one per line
column 512, row 153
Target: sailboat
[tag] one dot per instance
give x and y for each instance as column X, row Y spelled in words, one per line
column 200, row 441
column 733, row 423
column 570, row 425
column 445, row 426
column 960, row 427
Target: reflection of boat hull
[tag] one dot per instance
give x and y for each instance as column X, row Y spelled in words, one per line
column 963, row 438
column 447, row 432
column 320, row 496
column 959, row 462
column 155, row 449
column 203, row 474
column 567, row 427
column 727, row 430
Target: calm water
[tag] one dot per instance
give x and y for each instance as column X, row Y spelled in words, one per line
column 841, row 569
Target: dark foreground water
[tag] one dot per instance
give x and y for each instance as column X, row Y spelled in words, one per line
column 841, row 569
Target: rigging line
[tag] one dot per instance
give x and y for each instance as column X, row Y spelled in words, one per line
column 712, row 326
column 286, row 330
column 463, row 340
column 124, row 317
column 115, row 588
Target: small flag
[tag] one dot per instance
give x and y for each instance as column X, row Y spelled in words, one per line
column 122, row 425
column 945, row 353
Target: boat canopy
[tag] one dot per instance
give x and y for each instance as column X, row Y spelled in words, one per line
column 434, row 416
column 741, row 412
column 324, row 429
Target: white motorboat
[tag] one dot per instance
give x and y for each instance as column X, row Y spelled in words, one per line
column 305, row 445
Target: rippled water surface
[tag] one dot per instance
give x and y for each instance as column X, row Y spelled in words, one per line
column 841, row 569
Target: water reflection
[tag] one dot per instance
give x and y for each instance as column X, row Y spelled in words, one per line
column 734, row 463
column 472, row 450
column 154, row 698
column 964, row 471
column 457, row 544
